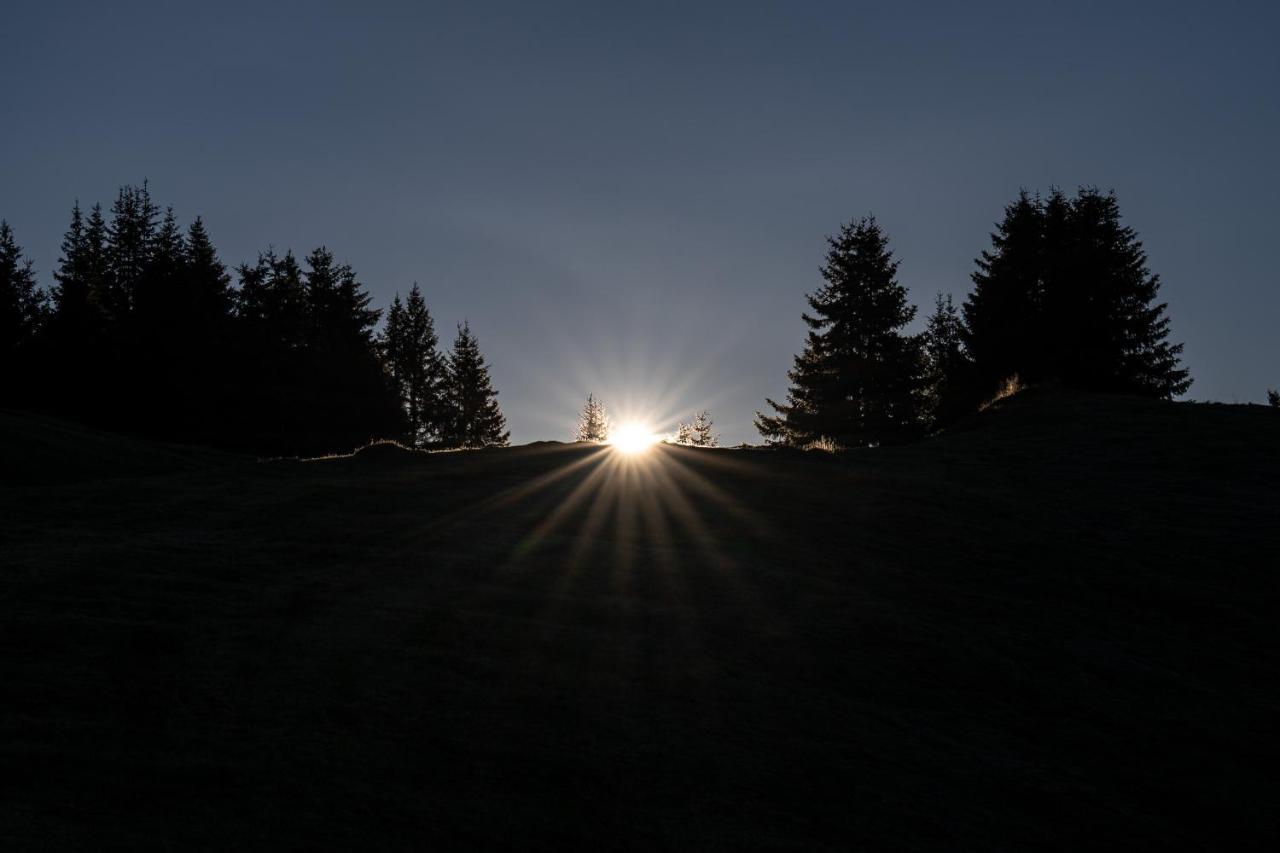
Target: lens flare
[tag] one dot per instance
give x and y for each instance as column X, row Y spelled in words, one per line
column 633, row 437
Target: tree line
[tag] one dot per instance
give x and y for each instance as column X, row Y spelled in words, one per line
column 144, row 331
column 1062, row 296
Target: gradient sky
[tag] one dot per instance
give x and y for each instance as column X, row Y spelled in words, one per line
column 631, row 199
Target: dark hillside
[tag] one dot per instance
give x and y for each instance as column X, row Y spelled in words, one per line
column 1052, row 628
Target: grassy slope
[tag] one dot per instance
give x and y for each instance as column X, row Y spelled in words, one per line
column 1052, row 629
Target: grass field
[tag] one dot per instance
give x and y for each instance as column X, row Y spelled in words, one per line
column 1053, row 628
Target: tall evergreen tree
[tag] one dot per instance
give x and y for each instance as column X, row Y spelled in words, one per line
column 1001, row 314
column 1065, row 294
column 203, row 359
column 154, row 385
column 593, row 423
column 272, row 411
column 410, row 349
column 351, row 399
column 855, row 383
column 130, row 243
column 71, row 300
column 947, row 384
column 74, row 341
column 97, row 263
column 22, row 310
column 475, row 419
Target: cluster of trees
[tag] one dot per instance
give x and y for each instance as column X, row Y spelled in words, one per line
column 447, row 400
column 594, row 424
column 144, row 331
column 1063, row 295
column 697, row 433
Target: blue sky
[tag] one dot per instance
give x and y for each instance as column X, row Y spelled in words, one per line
column 631, row 199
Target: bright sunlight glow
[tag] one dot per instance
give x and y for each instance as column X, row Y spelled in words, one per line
column 633, row 437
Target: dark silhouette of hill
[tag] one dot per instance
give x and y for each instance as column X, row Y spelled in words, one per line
column 1052, row 627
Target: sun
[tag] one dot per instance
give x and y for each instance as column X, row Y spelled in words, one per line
column 633, row 437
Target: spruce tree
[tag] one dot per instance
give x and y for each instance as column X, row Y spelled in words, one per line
column 350, row 397
column 593, row 423
column 946, row 385
column 1065, row 294
column 272, row 411
column 1001, row 313
column 74, row 332
column 97, row 263
column 418, row 371
column 394, row 348
column 474, row 417
column 200, row 312
column 855, row 383
column 700, row 431
column 684, row 432
column 155, row 384
column 22, row 310
column 130, row 243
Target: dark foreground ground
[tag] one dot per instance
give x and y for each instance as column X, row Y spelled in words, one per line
column 1055, row 629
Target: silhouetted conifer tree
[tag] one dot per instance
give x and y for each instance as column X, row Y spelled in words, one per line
column 272, row 412
column 74, row 342
column 1065, row 294
column 593, row 423
column 947, row 383
column 411, row 351
column 130, row 243
column 856, row 381
column 475, row 419
column 22, row 309
column 1273, row 397
column 1002, row 312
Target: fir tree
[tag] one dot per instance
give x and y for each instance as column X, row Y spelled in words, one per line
column 475, row 419
column 684, row 432
column 22, row 310
column 855, row 382
column 350, row 398
column 1001, row 314
column 700, row 431
column 97, row 263
column 593, row 423
column 207, row 297
column 271, row 303
column 419, row 372
column 74, row 331
column 1065, row 295
column 946, row 384
column 130, row 243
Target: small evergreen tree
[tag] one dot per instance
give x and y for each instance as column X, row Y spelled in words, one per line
column 593, row 423
column 855, row 383
column 946, row 383
column 474, row 417
column 700, row 431
column 22, row 310
column 684, row 433
column 1273, row 397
